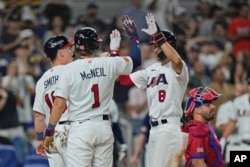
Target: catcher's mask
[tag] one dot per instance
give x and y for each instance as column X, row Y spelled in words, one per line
column 198, row 97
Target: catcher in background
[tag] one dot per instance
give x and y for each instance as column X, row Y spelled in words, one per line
column 203, row 148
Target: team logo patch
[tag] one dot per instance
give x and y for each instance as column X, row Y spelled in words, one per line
column 200, row 149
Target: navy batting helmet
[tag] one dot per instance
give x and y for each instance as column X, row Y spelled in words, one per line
column 55, row 43
column 170, row 37
column 86, row 39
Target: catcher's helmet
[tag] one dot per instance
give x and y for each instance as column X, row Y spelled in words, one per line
column 53, row 44
column 170, row 37
column 86, row 39
column 198, row 97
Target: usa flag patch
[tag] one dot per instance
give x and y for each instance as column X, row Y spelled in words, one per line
column 200, row 150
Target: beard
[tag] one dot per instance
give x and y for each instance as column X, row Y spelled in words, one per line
column 161, row 56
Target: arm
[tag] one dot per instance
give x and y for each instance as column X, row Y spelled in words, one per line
column 39, row 129
column 135, row 51
column 56, row 112
column 161, row 40
column 173, row 56
column 138, row 147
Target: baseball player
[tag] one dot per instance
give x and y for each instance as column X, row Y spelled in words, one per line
column 203, row 148
column 87, row 83
column 240, row 121
column 165, row 83
column 60, row 52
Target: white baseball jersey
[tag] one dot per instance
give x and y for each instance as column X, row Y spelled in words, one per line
column 88, row 85
column 242, row 116
column 226, row 112
column 165, row 89
column 45, row 89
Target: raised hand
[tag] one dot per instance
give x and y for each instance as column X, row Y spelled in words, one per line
column 130, row 27
column 115, row 40
column 152, row 26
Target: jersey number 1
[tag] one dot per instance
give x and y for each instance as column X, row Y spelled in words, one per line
column 95, row 90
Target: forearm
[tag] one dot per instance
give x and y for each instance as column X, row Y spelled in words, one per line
column 39, row 125
column 135, row 53
column 57, row 110
column 139, row 144
column 229, row 129
column 118, row 133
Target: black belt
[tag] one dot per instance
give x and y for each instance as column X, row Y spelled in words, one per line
column 156, row 123
column 104, row 117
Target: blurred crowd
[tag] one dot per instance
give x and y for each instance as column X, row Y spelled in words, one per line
column 214, row 41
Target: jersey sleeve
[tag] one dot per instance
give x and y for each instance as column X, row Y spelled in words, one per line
column 123, row 65
column 62, row 88
column 184, row 72
column 139, row 78
column 39, row 99
column 196, row 147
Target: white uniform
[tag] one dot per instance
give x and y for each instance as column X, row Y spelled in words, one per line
column 242, row 117
column 226, row 111
column 165, row 92
column 45, row 89
column 88, row 86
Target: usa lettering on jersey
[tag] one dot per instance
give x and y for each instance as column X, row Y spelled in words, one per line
column 157, row 80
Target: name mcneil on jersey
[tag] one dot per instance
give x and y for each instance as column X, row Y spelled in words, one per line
column 156, row 80
column 51, row 81
column 92, row 73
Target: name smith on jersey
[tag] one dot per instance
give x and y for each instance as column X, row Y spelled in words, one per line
column 95, row 72
column 51, row 81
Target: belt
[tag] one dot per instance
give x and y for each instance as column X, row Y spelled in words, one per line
column 156, row 123
column 104, row 117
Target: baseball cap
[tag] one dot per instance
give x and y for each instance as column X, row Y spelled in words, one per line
column 198, row 97
column 55, row 43
column 26, row 33
column 180, row 11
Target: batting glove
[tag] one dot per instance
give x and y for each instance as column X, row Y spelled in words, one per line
column 130, row 27
column 48, row 140
column 115, row 40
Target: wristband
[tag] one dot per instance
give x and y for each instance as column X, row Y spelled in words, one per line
column 159, row 38
column 50, row 130
column 39, row 136
column 115, row 52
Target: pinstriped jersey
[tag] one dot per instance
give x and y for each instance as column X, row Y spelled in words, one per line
column 165, row 89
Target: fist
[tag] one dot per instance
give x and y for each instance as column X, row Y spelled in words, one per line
column 48, row 143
